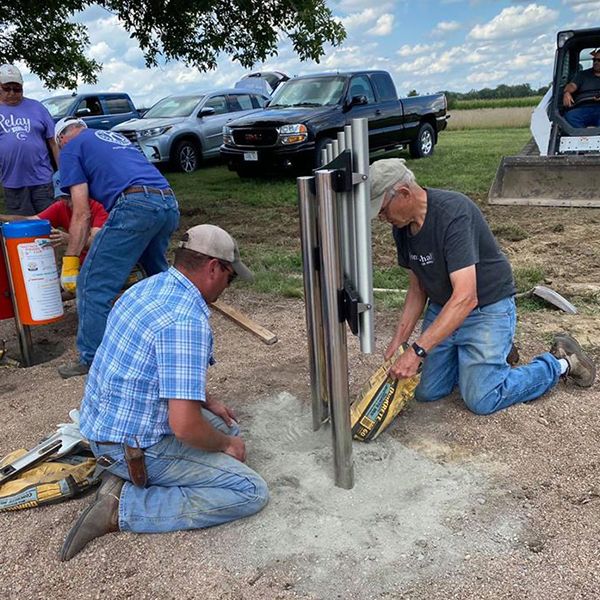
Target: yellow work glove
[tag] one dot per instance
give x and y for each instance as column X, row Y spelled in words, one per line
column 70, row 270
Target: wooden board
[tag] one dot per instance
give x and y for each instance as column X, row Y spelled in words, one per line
column 245, row 322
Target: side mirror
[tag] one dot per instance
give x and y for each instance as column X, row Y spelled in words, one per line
column 358, row 100
column 83, row 112
column 206, row 112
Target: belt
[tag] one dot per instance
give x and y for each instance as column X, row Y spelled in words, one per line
column 151, row 190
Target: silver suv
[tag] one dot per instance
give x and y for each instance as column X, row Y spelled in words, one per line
column 185, row 129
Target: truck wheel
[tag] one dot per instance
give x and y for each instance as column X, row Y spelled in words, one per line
column 423, row 145
column 186, row 156
column 319, row 146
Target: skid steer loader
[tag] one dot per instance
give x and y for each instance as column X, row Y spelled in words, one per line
column 560, row 166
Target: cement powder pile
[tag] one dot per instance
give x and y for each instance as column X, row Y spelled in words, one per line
column 406, row 516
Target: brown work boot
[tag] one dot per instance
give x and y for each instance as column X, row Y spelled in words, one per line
column 98, row 519
column 73, row 370
column 581, row 367
column 111, row 484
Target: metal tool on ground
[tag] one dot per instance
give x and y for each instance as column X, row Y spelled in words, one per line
column 550, row 296
column 66, row 438
column 560, row 166
column 245, row 322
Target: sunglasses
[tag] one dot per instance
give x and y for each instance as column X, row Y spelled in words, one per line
column 228, row 268
column 15, row 89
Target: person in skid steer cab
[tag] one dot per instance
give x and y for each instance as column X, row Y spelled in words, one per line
column 26, row 140
column 173, row 454
column 459, row 274
column 59, row 214
column 581, row 96
column 143, row 214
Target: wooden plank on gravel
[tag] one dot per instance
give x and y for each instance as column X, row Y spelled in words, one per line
column 245, row 322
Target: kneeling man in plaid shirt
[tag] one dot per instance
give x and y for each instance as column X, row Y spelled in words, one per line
column 172, row 454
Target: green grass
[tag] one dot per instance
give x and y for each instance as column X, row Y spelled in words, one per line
column 496, row 103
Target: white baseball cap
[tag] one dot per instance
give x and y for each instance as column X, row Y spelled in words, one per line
column 213, row 241
column 383, row 174
column 67, row 122
column 10, row 74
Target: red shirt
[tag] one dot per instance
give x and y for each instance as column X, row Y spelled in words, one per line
column 59, row 214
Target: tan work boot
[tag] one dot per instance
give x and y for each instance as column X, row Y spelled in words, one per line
column 98, row 519
column 581, row 367
column 111, row 484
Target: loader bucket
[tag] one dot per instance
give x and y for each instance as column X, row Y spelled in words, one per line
column 571, row 180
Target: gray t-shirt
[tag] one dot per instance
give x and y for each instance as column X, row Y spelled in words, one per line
column 454, row 235
column 588, row 87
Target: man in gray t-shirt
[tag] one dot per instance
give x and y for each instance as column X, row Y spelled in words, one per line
column 457, row 268
column 581, row 97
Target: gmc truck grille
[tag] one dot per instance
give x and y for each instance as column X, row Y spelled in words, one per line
column 255, row 137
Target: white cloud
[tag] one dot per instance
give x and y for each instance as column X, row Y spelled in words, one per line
column 383, row 26
column 360, row 19
column 446, row 27
column 515, row 21
column 407, row 50
column 487, row 78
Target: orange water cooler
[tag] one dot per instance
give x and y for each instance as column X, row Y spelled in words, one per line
column 32, row 271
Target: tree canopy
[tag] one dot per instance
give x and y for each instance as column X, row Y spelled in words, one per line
column 43, row 34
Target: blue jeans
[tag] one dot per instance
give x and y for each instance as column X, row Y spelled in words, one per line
column 474, row 358
column 187, row 488
column 137, row 230
column 584, row 116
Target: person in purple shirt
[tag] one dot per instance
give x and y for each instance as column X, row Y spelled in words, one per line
column 143, row 213
column 26, row 139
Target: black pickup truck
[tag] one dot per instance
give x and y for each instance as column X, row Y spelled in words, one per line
column 307, row 112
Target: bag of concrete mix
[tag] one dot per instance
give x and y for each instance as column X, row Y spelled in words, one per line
column 380, row 400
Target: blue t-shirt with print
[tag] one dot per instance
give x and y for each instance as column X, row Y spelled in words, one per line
column 109, row 163
column 24, row 155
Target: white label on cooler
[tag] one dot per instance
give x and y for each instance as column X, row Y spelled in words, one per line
column 42, row 283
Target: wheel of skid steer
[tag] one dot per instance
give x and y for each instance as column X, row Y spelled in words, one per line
column 424, row 143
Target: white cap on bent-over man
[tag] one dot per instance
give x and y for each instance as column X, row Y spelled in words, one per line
column 213, row 241
column 66, row 122
column 383, row 174
column 10, row 74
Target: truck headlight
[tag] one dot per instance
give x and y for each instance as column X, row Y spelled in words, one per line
column 293, row 134
column 227, row 135
column 153, row 132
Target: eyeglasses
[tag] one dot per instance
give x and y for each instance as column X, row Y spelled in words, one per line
column 387, row 200
column 15, row 89
column 228, row 268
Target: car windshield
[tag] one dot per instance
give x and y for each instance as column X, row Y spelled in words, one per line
column 173, row 106
column 58, row 106
column 317, row 91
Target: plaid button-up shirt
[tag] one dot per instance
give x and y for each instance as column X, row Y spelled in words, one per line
column 157, row 345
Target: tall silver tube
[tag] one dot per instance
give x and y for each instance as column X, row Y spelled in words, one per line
column 345, row 221
column 353, row 274
column 313, row 303
column 360, row 152
column 335, row 332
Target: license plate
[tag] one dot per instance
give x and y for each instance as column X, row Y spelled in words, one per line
column 250, row 155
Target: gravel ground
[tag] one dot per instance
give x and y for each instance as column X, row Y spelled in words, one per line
column 446, row 504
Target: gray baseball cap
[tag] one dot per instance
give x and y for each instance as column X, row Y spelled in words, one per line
column 213, row 241
column 383, row 174
column 10, row 74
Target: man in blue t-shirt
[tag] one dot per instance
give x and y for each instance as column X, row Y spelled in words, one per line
column 581, row 97
column 26, row 135
column 457, row 268
column 143, row 213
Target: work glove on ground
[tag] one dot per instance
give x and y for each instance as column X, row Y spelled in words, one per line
column 70, row 270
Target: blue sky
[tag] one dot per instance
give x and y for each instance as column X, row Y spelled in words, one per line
column 427, row 45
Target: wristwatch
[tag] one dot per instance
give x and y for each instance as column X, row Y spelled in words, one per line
column 420, row 352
